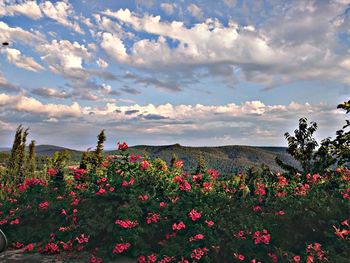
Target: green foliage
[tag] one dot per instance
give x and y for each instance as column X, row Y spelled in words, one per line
column 341, row 143
column 98, row 154
column 31, row 160
column 201, row 165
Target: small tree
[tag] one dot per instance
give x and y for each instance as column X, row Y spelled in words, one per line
column 302, row 146
column 31, row 162
column 98, row 154
column 341, row 143
column 13, row 164
column 201, row 165
column 22, row 156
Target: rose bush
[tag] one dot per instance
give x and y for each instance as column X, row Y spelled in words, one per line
column 136, row 207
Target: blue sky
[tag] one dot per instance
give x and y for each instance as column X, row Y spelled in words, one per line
column 163, row 72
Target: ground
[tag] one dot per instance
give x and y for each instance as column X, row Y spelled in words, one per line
column 17, row 256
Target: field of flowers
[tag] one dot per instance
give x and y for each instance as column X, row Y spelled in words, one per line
column 140, row 208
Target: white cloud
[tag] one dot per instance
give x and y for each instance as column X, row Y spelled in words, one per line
column 61, row 12
column 17, row 34
column 168, row 8
column 51, row 93
column 63, row 55
column 195, row 11
column 259, row 53
column 26, row 8
column 15, row 56
column 114, row 46
column 31, row 105
column 101, row 63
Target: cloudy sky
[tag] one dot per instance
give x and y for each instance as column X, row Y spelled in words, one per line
column 162, row 72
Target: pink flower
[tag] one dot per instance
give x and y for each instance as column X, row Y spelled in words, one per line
column 121, row 247
column 194, row 215
column 144, row 165
column 179, row 226
column 101, row 191
column 14, row 222
column 280, row 213
column 44, row 205
column 133, row 158
column 51, row 171
column 296, row 259
column 209, row 223
column 196, row 237
column 198, row 253
column 122, row 146
column 29, row 247
column 152, row 218
column 143, row 198
column 162, row 204
column 126, row 223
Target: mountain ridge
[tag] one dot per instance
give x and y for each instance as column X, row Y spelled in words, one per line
column 226, row 159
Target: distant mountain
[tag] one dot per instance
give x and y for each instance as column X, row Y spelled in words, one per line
column 5, row 149
column 226, row 159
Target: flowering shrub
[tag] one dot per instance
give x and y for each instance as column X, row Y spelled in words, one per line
column 136, row 207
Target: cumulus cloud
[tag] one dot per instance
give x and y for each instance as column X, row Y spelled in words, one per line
column 26, row 8
column 19, row 35
column 61, row 12
column 62, row 56
column 260, row 53
column 31, row 105
column 101, row 63
column 51, row 93
column 15, row 56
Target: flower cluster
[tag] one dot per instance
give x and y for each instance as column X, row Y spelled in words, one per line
column 152, row 218
column 179, row 226
column 126, row 223
column 261, row 237
column 120, row 248
column 194, row 214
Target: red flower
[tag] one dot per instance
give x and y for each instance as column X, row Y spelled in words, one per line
column 126, row 223
column 280, row 213
column 296, row 259
column 152, row 218
column 198, row 253
column 178, row 163
column 51, row 171
column 239, row 256
column 122, row 146
column 209, row 223
column 17, row 245
column 133, row 158
column 162, row 204
column 179, row 226
column 213, row 174
column 14, row 222
column 143, row 198
column 144, row 165
column 121, row 247
column 194, row 215
column 196, row 237
column 101, row 191
column 44, row 205
column 29, row 247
